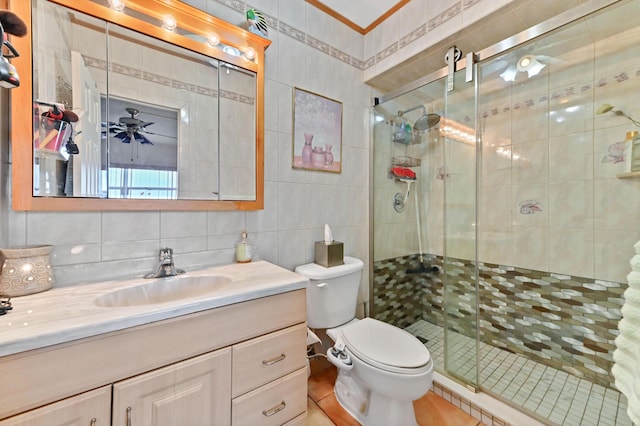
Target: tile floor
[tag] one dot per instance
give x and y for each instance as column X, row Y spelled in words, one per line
column 324, row 409
column 553, row 395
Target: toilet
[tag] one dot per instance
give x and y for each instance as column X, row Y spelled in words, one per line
column 381, row 368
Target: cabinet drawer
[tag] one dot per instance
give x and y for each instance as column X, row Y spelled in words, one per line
column 263, row 359
column 272, row 404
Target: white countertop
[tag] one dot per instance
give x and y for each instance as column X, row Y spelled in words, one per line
column 68, row 313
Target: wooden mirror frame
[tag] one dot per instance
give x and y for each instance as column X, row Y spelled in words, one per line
column 190, row 18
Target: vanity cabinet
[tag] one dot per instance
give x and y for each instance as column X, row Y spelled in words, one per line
column 239, row 364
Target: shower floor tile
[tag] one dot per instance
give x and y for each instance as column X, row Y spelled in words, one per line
column 553, row 396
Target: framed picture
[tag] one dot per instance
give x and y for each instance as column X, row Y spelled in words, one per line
column 317, row 132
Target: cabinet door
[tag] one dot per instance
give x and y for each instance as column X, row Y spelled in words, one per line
column 195, row 392
column 91, row 408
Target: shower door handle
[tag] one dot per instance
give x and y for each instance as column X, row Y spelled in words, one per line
column 471, row 59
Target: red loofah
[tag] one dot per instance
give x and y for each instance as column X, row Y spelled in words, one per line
column 403, row 173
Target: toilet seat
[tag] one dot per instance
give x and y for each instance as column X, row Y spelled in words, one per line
column 386, row 347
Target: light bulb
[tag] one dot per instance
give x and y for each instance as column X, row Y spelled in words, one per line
column 250, row 53
column 213, row 39
column 525, row 61
column 169, row 23
column 117, row 5
column 231, row 51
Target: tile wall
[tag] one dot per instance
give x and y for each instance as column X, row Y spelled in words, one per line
column 92, row 246
column 548, row 194
column 562, row 321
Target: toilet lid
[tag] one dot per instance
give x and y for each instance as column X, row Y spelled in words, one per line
column 385, row 346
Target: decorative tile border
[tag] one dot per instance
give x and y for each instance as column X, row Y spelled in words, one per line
column 445, row 16
column 562, row 321
column 275, row 24
column 413, row 35
column 320, row 45
column 166, row 81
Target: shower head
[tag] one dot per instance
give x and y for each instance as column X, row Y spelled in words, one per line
column 426, row 121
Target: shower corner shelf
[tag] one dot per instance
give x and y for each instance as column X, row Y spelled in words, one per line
column 628, row 175
column 405, row 161
column 413, row 140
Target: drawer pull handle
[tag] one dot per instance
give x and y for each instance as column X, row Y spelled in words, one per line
column 93, row 422
column 274, row 360
column 272, row 411
column 128, row 416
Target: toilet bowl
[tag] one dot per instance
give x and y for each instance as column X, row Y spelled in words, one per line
column 385, row 370
column 381, row 368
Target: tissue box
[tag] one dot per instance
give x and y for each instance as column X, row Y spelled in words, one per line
column 329, row 255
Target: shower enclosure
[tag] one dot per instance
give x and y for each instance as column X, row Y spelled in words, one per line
column 511, row 265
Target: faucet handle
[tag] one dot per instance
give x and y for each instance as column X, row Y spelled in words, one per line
column 166, row 255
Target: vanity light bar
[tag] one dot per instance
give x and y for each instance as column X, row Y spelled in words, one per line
column 177, row 19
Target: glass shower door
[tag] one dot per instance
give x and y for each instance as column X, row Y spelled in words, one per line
column 458, row 137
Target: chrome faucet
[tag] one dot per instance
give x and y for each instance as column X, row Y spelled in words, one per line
column 166, row 267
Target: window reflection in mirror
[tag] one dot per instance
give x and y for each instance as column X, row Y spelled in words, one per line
column 126, row 90
column 142, row 144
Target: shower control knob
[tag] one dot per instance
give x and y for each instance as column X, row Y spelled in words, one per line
column 346, row 360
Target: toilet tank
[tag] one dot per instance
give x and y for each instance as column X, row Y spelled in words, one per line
column 332, row 294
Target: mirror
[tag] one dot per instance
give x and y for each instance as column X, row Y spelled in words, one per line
column 154, row 118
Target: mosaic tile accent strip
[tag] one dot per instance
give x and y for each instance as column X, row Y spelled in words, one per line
column 400, row 298
column 565, row 322
column 553, row 396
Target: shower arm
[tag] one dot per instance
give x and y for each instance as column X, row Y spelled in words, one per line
column 424, row 110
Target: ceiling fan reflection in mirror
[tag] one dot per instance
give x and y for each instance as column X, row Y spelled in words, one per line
column 131, row 128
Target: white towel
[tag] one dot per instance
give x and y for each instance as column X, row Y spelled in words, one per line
column 632, row 296
column 635, row 262
column 634, row 279
column 626, row 369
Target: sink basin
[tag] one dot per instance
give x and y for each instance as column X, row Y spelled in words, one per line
column 164, row 290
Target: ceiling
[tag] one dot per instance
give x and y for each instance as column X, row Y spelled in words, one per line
column 360, row 15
